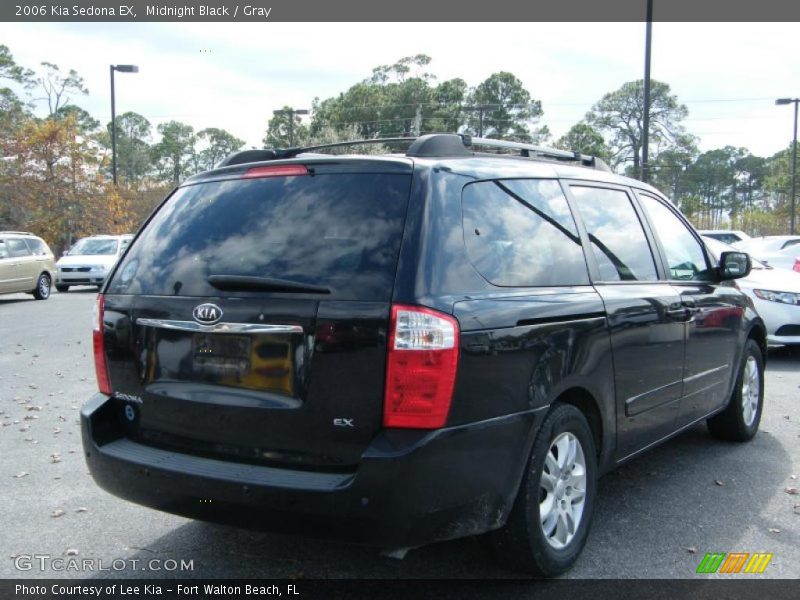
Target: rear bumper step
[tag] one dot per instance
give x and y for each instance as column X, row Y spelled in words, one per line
column 411, row 487
column 129, row 451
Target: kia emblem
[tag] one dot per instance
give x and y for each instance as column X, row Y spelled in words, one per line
column 207, row 314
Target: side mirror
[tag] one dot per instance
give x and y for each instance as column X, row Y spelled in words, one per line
column 733, row 265
column 66, row 253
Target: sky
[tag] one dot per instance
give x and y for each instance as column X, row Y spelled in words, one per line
column 233, row 75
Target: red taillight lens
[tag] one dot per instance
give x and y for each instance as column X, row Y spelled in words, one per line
column 796, row 266
column 421, row 368
column 276, row 171
column 100, row 366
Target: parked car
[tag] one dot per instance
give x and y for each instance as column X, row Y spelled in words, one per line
column 775, row 294
column 511, row 328
column 772, row 249
column 89, row 260
column 729, row 236
column 786, row 258
column 26, row 264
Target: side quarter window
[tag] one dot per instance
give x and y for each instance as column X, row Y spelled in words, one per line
column 686, row 260
column 3, row 250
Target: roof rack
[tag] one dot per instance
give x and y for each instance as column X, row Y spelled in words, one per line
column 15, row 233
column 429, row 146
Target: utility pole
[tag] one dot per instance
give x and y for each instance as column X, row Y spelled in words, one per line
column 480, row 109
column 290, row 113
column 645, row 176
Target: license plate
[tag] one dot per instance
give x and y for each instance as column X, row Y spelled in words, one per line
column 221, row 354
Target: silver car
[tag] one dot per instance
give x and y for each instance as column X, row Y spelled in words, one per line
column 89, row 260
column 26, row 264
column 775, row 294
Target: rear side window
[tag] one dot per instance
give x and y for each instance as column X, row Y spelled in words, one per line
column 521, row 233
column 17, row 247
column 338, row 231
column 618, row 241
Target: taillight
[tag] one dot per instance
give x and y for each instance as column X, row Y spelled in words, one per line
column 421, row 368
column 276, row 171
column 796, row 266
column 100, row 366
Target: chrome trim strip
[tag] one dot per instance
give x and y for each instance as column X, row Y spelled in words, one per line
column 219, row 327
column 704, row 373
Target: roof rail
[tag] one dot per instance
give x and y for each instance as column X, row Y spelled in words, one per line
column 532, row 151
column 15, row 233
column 431, row 145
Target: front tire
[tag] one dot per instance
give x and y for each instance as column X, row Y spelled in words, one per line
column 62, row 288
column 42, row 291
column 740, row 420
column 550, row 520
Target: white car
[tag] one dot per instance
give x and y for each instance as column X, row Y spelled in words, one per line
column 775, row 294
column 729, row 236
column 772, row 249
column 89, row 260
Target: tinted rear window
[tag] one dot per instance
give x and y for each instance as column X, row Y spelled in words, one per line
column 339, row 231
column 521, row 232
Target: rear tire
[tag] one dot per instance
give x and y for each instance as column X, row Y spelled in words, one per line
column 550, row 519
column 739, row 421
column 42, row 291
column 62, row 288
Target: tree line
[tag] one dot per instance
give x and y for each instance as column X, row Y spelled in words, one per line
column 56, row 170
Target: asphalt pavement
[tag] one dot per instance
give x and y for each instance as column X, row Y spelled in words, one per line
column 656, row 517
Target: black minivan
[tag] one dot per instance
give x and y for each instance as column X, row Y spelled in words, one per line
column 397, row 349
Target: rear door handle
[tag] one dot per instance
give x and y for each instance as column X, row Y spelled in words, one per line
column 679, row 314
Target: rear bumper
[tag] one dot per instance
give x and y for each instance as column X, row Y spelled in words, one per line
column 411, row 487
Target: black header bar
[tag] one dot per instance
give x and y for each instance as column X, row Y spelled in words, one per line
column 461, row 11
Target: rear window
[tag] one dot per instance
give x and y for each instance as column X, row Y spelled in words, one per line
column 338, row 231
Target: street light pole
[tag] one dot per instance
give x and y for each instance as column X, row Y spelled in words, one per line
column 792, row 199
column 290, row 112
column 121, row 69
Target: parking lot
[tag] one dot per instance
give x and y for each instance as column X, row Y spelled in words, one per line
column 655, row 517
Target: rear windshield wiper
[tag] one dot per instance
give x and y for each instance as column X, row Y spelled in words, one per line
column 246, row 283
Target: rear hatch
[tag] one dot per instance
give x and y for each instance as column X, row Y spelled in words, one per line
column 249, row 319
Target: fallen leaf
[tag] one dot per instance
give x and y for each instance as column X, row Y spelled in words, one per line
column 71, row 552
column 25, row 428
column 62, row 419
column 691, row 550
column 774, row 530
column 718, row 482
column 81, row 509
column 33, row 386
column 55, row 457
column 33, row 407
column 30, row 417
column 57, row 513
column 56, row 430
column 792, row 476
column 21, row 474
column 792, row 491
